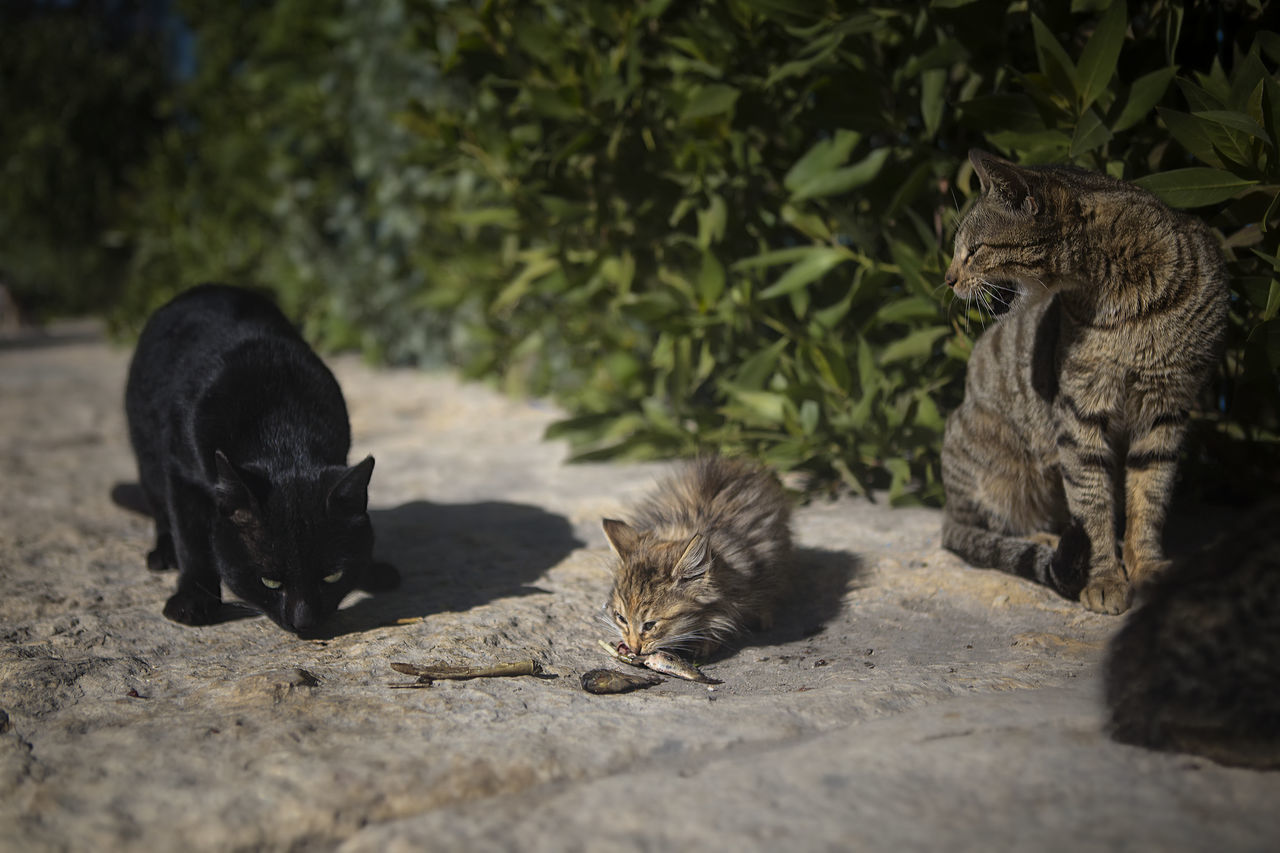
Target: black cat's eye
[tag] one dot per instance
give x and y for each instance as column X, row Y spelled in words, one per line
column 622, row 620
column 333, row 578
column 648, row 626
column 272, row 583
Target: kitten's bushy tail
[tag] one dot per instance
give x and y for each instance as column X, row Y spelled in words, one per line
column 1064, row 570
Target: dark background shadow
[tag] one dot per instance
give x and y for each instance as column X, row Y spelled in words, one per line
column 820, row 578
column 451, row 557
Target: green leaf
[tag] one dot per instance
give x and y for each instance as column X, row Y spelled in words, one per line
column 843, row 180
column 757, row 369
column 711, row 222
column 817, row 262
column 1054, row 62
column 1098, row 59
column 1235, row 120
column 710, row 279
column 1144, row 94
column 810, row 413
column 906, row 310
column 1190, row 134
column 767, row 405
column 822, row 158
column 772, row 258
column 1194, row 187
column 710, row 100
column 933, row 88
column 1090, row 134
column 917, row 344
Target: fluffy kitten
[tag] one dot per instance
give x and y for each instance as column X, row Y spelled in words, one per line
column 705, row 556
column 1196, row 668
column 1077, row 399
column 241, row 437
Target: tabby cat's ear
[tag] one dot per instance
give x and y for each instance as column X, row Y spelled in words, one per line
column 622, row 536
column 695, row 560
column 350, row 495
column 231, row 493
column 1005, row 181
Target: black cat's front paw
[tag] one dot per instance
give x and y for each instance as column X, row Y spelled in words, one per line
column 192, row 609
column 380, row 577
column 161, row 558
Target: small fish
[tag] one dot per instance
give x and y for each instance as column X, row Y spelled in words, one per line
column 612, row 681
column 669, row 664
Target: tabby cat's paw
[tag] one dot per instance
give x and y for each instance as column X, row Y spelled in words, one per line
column 1107, row 595
column 192, row 609
column 1050, row 540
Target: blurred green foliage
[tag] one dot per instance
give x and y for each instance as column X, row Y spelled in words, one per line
column 717, row 224
column 81, row 98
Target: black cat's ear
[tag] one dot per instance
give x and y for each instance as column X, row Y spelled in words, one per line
column 1005, row 181
column 695, row 560
column 230, row 492
column 350, row 495
column 622, row 536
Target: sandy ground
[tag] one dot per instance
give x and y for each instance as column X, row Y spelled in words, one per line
column 903, row 700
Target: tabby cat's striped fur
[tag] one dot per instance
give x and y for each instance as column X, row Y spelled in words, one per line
column 1077, row 399
column 1196, row 668
column 705, row 556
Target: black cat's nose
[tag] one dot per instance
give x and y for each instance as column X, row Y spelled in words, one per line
column 301, row 615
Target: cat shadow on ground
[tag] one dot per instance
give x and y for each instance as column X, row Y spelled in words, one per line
column 820, row 579
column 451, row 557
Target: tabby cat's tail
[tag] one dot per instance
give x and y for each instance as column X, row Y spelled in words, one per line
column 1064, row 570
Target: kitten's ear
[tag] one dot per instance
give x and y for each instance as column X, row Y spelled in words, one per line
column 695, row 560
column 622, row 536
column 230, row 492
column 1005, row 181
column 350, row 495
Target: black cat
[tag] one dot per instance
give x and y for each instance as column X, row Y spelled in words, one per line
column 241, row 436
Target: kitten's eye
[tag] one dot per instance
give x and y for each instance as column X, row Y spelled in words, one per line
column 622, row 620
column 648, row 626
column 333, row 578
column 973, row 250
column 271, row 583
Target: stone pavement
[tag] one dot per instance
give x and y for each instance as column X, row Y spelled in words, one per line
column 903, row 701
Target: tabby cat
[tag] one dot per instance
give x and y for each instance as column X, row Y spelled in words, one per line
column 1196, row 667
column 1077, row 399
column 705, row 556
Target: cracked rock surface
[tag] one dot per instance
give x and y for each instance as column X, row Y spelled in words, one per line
column 902, row 701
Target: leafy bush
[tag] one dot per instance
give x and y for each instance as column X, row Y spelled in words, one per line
column 696, row 224
column 79, row 95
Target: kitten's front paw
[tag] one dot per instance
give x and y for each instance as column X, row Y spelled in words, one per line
column 192, row 609
column 380, row 577
column 1107, row 594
